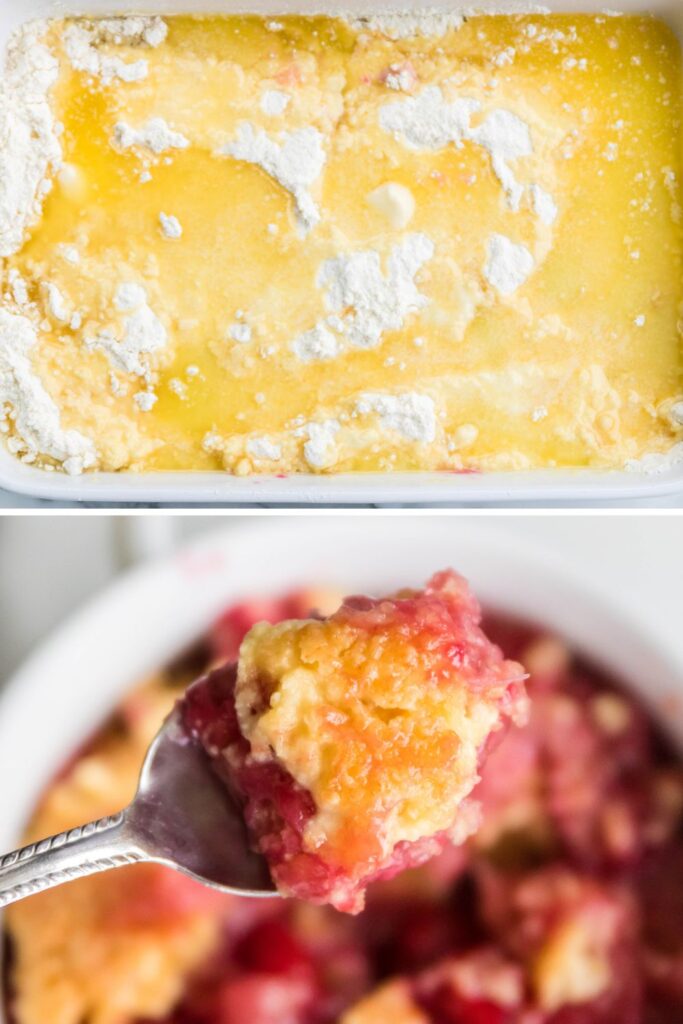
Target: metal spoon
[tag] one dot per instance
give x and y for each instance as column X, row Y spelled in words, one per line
column 181, row 816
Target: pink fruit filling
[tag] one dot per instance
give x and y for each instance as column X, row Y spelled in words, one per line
column 565, row 906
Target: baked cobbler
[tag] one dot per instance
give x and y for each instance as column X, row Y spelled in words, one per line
column 354, row 742
column 565, row 907
column 292, row 244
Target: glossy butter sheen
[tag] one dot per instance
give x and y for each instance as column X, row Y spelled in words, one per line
column 575, row 367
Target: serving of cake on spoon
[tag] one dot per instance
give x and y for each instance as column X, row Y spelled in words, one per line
column 348, row 746
column 353, row 742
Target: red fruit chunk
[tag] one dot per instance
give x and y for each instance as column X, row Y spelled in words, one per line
column 272, row 948
column 262, row 999
column 447, row 1007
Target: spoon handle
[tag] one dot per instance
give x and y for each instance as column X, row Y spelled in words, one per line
column 97, row 846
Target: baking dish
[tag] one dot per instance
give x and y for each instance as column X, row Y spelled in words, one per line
column 337, row 489
column 156, row 608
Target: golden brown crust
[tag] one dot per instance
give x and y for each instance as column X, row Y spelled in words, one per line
column 101, row 950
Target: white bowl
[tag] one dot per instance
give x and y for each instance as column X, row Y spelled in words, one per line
column 205, row 488
column 70, row 683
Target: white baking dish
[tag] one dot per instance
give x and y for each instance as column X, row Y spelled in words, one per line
column 339, row 489
column 75, row 678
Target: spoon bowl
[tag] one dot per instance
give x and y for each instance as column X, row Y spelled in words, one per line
column 181, row 817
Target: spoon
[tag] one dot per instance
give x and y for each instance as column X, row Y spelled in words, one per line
column 182, row 817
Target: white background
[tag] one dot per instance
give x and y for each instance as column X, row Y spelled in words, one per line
column 50, row 565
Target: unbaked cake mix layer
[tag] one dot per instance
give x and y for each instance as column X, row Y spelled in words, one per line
column 281, row 245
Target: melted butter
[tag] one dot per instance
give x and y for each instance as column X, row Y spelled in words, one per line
column 567, row 342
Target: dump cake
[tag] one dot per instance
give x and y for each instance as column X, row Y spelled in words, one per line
column 355, row 741
column 566, row 907
column 289, row 244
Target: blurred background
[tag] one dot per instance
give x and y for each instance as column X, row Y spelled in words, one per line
column 51, row 565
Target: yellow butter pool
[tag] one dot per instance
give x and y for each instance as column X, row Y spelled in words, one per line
column 295, row 244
